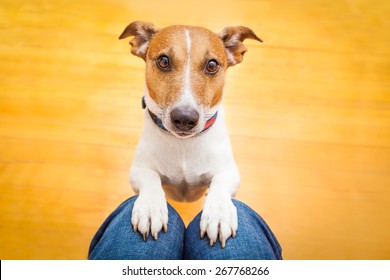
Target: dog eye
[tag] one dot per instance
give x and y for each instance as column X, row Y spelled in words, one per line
column 212, row 67
column 163, row 63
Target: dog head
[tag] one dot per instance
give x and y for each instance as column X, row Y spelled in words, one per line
column 185, row 70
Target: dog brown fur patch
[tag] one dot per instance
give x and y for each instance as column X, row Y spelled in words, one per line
column 165, row 87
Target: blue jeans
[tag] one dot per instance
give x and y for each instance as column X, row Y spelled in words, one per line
column 116, row 239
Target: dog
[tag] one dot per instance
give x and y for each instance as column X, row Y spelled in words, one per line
column 185, row 148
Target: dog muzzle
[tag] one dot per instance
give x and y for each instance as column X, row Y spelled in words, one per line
column 159, row 123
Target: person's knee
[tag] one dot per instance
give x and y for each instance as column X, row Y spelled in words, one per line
column 254, row 239
column 116, row 239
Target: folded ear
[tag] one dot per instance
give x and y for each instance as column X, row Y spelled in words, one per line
column 232, row 38
column 143, row 32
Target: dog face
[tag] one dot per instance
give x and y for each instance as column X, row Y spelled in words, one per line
column 185, row 70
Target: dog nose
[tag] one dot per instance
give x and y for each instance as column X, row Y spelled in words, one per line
column 184, row 118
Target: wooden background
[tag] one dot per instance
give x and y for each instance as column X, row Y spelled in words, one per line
column 308, row 113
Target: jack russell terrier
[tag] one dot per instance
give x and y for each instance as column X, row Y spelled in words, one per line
column 185, row 148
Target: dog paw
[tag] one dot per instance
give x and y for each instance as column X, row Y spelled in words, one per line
column 150, row 215
column 219, row 219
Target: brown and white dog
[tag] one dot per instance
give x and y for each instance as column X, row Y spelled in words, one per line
column 184, row 148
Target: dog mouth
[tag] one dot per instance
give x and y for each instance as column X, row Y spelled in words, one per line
column 183, row 134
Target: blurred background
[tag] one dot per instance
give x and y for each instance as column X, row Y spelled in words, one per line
column 308, row 113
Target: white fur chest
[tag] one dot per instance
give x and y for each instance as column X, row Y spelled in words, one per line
column 185, row 166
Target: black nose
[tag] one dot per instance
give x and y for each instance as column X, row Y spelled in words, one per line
column 184, row 118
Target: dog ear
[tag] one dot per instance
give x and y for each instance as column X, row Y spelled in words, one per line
column 143, row 32
column 232, row 38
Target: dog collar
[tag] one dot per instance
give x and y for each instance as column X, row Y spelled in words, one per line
column 159, row 123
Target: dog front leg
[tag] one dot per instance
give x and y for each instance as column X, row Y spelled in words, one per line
column 150, row 211
column 219, row 216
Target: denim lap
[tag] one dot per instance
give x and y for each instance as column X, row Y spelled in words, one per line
column 115, row 239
